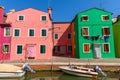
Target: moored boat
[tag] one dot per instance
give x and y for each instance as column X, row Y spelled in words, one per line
column 9, row 71
column 79, row 71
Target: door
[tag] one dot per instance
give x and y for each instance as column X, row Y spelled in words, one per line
column 30, row 51
column 97, row 51
column 62, row 50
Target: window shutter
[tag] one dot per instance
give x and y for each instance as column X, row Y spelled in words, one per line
column 86, row 31
column 108, row 31
column 19, row 49
column 86, row 48
column 42, row 49
column 103, row 30
column 16, row 32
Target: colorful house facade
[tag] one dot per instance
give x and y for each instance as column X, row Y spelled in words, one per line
column 31, row 34
column 92, row 34
column 62, row 39
column 5, row 36
column 116, row 31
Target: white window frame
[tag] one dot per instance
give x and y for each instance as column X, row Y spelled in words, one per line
column 41, row 32
column 87, row 16
column 29, row 31
column 14, row 32
column 21, row 15
column 8, row 45
column 88, row 30
column 102, row 17
column 109, row 48
column 105, row 27
column 5, row 32
column 83, row 48
column 42, row 16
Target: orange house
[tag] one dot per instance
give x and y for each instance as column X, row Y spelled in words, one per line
column 62, row 39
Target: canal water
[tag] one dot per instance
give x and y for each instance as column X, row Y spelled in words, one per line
column 58, row 75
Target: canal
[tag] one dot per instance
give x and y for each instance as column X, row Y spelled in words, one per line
column 58, row 75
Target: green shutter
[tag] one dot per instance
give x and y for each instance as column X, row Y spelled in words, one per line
column 19, row 49
column 16, row 32
column 56, row 36
column 55, row 48
column 42, row 49
column 43, row 32
column 43, row 18
column 31, row 32
column 21, row 17
column 69, row 48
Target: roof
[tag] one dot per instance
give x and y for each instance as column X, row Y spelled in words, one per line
column 26, row 9
column 97, row 9
column 90, row 9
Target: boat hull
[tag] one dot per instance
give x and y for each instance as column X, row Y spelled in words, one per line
column 11, row 74
column 78, row 72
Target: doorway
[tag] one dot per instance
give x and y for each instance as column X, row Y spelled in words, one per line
column 30, row 51
column 63, row 50
column 97, row 51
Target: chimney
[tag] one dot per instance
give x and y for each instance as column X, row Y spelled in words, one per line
column 1, row 14
column 11, row 11
column 50, row 12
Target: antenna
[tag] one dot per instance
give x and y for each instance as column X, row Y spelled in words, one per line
column 49, row 3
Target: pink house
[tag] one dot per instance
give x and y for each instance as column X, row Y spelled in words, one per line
column 31, row 34
column 62, row 39
column 5, row 37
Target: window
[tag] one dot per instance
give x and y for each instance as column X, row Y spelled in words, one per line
column 84, row 18
column 20, row 17
column 42, row 49
column 19, row 49
column 106, row 31
column 43, row 18
column 16, row 32
column 7, row 31
column 86, row 48
column 31, row 32
column 69, row 36
column 56, row 48
column 44, row 32
column 56, row 36
column 69, row 48
column 5, row 48
column 106, row 48
column 106, row 17
column 85, row 31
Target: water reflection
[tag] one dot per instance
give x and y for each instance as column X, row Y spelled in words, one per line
column 21, row 78
column 57, row 75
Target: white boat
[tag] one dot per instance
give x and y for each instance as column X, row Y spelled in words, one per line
column 10, row 71
column 7, row 70
column 79, row 71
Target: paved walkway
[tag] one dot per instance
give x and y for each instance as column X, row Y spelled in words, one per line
column 65, row 61
column 55, row 62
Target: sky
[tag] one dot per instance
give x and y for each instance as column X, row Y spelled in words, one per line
column 63, row 10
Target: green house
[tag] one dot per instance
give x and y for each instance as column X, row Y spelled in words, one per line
column 116, row 31
column 93, row 34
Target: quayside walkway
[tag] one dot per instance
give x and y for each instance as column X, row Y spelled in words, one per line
column 55, row 62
